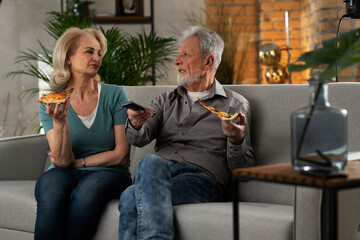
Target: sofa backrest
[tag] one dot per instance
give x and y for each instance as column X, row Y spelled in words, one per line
column 271, row 107
column 23, row 158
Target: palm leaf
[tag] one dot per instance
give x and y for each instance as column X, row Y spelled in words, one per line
column 58, row 22
column 335, row 55
column 29, row 94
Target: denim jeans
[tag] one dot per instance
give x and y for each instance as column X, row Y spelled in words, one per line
column 146, row 207
column 71, row 201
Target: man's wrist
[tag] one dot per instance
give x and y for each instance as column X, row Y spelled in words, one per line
column 236, row 141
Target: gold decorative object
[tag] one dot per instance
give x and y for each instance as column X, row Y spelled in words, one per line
column 270, row 55
column 276, row 74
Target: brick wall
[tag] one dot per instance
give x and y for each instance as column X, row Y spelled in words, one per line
column 263, row 21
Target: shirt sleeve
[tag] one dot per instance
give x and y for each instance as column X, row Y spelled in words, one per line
column 242, row 155
column 120, row 114
column 149, row 131
column 45, row 120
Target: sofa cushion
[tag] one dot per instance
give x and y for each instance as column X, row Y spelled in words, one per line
column 192, row 221
column 17, row 203
column 213, row 221
column 8, row 234
column 109, row 222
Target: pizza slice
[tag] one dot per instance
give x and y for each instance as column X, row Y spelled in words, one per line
column 55, row 97
column 221, row 115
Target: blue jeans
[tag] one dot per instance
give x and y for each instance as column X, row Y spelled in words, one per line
column 146, row 207
column 71, row 201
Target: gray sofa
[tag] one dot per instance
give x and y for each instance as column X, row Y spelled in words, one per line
column 267, row 210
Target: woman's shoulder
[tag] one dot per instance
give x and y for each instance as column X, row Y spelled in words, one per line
column 111, row 88
column 113, row 93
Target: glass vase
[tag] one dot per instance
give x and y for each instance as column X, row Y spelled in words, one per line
column 319, row 133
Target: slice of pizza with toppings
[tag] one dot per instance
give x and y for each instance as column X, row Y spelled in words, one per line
column 55, row 97
column 220, row 114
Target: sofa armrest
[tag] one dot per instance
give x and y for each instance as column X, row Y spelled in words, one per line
column 23, row 158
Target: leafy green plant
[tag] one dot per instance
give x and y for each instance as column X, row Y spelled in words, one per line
column 336, row 54
column 130, row 60
column 135, row 60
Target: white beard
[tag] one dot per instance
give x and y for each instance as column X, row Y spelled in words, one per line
column 187, row 80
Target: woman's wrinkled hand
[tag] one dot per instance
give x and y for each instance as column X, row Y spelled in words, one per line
column 59, row 112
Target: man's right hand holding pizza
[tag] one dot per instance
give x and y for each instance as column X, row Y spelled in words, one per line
column 234, row 130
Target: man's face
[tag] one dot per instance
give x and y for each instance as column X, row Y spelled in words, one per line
column 189, row 62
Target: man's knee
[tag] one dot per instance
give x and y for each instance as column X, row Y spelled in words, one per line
column 150, row 162
column 127, row 198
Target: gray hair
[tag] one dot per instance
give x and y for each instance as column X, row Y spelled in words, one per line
column 210, row 42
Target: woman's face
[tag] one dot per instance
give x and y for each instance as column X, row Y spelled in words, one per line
column 86, row 59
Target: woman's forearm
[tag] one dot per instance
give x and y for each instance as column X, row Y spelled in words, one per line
column 60, row 144
column 105, row 159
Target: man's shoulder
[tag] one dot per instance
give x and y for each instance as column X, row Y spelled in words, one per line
column 235, row 95
column 168, row 95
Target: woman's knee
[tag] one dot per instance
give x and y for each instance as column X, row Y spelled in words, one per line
column 54, row 187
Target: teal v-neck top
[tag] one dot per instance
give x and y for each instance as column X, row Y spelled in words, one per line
column 100, row 136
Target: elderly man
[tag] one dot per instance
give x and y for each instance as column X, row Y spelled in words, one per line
column 195, row 150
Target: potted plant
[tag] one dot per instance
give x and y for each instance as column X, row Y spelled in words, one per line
column 319, row 131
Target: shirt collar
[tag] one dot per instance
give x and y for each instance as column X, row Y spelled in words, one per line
column 216, row 89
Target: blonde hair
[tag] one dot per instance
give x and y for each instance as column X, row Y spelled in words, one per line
column 64, row 48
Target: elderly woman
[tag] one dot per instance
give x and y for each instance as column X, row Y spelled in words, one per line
column 88, row 151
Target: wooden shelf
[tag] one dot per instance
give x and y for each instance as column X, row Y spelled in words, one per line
column 123, row 19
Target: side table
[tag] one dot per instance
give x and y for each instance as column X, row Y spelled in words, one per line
column 285, row 174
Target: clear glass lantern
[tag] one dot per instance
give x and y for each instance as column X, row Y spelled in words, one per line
column 319, row 133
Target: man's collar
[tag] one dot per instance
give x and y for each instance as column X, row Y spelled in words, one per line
column 216, row 89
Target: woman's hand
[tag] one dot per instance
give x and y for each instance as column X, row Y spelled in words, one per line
column 57, row 163
column 58, row 113
column 119, row 156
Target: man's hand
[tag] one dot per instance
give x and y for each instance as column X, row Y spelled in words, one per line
column 138, row 118
column 234, row 130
